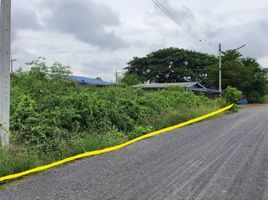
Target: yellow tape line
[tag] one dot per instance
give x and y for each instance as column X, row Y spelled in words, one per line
column 106, row 150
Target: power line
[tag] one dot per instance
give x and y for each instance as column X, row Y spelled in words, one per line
column 175, row 20
column 192, row 34
column 179, row 22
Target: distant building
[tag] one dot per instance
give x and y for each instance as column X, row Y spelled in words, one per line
column 191, row 86
column 89, row 81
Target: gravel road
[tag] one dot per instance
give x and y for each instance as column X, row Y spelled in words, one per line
column 224, row 158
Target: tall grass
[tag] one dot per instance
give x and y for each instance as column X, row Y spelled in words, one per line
column 13, row 162
column 174, row 117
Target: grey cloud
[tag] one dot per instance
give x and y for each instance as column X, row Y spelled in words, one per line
column 184, row 16
column 264, row 25
column 252, row 34
column 24, row 18
column 212, row 33
column 86, row 20
column 183, row 13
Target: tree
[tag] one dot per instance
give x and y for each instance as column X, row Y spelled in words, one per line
column 180, row 65
column 243, row 73
column 171, row 65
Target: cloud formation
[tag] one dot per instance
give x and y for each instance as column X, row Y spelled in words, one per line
column 97, row 36
column 86, row 20
column 252, row 34
column 22, row 19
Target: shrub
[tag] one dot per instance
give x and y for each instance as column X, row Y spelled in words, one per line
column 232, row 95
column 52, row 118
column 47, row 118
column 130, row 79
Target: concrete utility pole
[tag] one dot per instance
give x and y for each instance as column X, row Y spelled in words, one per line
column 220, row 64
column 12, row 64
column 5, row 26
column 12, row 60
column 117, row 77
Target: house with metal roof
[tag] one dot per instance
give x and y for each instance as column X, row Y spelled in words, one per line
column 191, row 86
column 89, row 81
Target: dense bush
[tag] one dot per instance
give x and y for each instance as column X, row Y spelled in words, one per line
column 48, row 111
column 52, row 117
column 232, row 95
column 129, row 79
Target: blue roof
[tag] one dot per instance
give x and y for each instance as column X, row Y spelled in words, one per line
column 206, row 90
column 192, row 86
column 89, row 81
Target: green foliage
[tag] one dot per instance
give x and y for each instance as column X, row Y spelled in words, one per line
column 265, row 99
column 47, row 111
column 171, row 65
column 130, row 79
column 15, row 160
column 232, row 95
column 180, row 65
column 52, row 117
column 174, row 117
column 243, row 73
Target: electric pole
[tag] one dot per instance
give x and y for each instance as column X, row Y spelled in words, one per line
column 220, row 74
column 220, row 65
column 5, row 26
column 117, row 77
column 12, row 64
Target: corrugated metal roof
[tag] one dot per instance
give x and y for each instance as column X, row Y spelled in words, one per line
column 89, row 81
column 206, row 90
column 164, row 85
column 192, row 86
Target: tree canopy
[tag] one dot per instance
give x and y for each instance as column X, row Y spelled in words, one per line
column 244, row 73
column 171, row 65
column 180, row 65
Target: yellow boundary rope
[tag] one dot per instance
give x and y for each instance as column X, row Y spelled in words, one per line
column 114, row 148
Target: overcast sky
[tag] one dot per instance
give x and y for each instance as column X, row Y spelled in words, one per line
column 95, row 37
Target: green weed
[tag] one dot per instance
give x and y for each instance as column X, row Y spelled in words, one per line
column 53, row 118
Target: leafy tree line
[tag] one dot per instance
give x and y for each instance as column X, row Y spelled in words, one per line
column 171, row 65
column 180, row 65
column 245, row 74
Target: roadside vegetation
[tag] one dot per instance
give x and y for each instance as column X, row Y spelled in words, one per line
column 232, row 96
column 52, row 117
